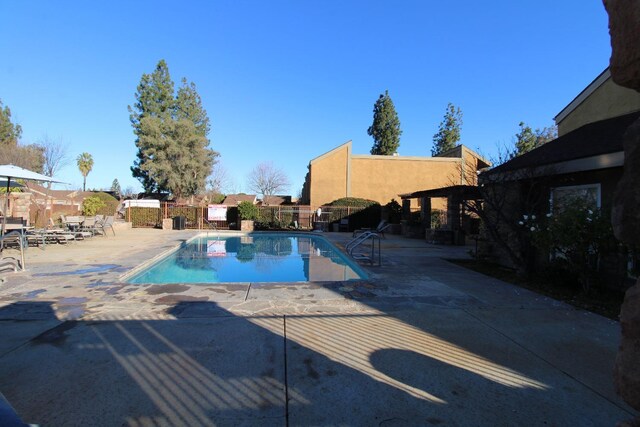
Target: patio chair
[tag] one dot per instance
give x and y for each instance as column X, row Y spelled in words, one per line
column 89, row 225
column 383, row 225
column 15, row 239
column 105, row 223
column 9, row 263
column 50, row 234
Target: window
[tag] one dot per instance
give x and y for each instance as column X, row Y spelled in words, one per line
column 560, row 196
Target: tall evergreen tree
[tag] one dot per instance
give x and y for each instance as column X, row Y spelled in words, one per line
column 115, row 187
column 448, row 132
column 173, row 148
column 189, row 106
column 385, row 129
column 11, row 151
column 9, row 133
column 181, row 159
column 154, row 98
column 528, row 139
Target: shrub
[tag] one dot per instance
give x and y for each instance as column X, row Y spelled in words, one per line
column 438, row 218
column 144, row 217
column 91, row 205
column 216, row 199
column 108, row 206
column 575, row 238
column 354, row 202
column 365, row 215
column 394, row 211
column 248, row 211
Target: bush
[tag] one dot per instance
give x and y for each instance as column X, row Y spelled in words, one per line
column 91, row 205
column 394, row 211
column 273, row 218
column 248, row 211
column 365, row 213
column 144, row 217
column 353, row 202
column 576, row 238
column 110, row 204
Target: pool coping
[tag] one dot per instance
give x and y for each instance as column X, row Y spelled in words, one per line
column 359, row 269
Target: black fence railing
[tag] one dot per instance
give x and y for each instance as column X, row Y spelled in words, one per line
column 269, row 217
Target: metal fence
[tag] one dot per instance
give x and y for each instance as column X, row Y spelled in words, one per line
column 285, row 216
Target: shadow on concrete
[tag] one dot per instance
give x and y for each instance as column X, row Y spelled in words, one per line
column 209, row 367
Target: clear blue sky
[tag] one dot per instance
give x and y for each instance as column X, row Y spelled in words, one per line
column 286, row 81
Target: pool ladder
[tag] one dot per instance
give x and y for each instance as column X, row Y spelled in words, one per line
column 367, row 236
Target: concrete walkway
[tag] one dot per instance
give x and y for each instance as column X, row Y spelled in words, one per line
column 422, row 342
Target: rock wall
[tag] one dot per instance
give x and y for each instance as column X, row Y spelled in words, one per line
column 624, row 28
column 19, row 205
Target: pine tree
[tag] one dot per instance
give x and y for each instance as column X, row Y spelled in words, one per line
column 115, row 187
column 173, row 148
column 189, row 106
column 182, row 159
column 448, row 132
column 9, row 133
column 527, row 139
column 154, row 98
column 385, row 129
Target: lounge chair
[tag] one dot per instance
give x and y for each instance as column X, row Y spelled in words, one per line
column 16, row 239
column 105, row 223
column 71, row 222
column 90, row 225
column 383, row 225
column 51, row 234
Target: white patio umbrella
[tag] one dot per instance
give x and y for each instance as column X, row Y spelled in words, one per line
column 4, row 183
column 15, row 172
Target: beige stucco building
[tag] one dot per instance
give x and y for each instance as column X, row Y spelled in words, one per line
column 340, row 173
column 601, row 99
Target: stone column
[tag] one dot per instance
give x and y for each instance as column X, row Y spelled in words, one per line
column 19, row 205
column 624, row 28
column 426, row 211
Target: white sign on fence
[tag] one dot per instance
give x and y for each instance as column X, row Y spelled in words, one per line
column 217, row 213
column 216, row 248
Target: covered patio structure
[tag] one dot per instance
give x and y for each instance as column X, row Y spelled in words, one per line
column 459, row 223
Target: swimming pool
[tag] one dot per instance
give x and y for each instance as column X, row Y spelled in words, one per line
column 257, row 257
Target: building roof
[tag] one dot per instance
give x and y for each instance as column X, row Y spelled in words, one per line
column 40, row 191
column 37, row 188
column 456, row 152
column 466, row 192
column 575, row 102
column 234, row 199
column 593, row 139
column 276, row 200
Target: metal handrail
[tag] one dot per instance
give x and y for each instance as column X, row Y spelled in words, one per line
column 358, row 240
column 353, row 244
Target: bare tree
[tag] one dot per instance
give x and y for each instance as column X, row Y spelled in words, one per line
column 266, row 179
column 218, row 181
column 26, row 156
column 130, row 193
column 55, row 156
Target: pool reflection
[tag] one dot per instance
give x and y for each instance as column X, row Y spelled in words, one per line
column 253, row 258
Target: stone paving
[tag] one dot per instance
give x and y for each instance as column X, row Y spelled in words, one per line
column 421, row 342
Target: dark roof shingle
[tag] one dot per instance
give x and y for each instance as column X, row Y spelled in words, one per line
column 593, row 139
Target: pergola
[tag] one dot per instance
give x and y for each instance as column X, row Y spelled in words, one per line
column 455, row 195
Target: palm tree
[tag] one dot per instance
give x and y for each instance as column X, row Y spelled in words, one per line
column 85, row 164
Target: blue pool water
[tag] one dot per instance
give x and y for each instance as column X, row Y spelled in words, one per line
column 252, row 258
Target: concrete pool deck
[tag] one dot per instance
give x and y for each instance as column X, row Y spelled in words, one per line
column 422, row 342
